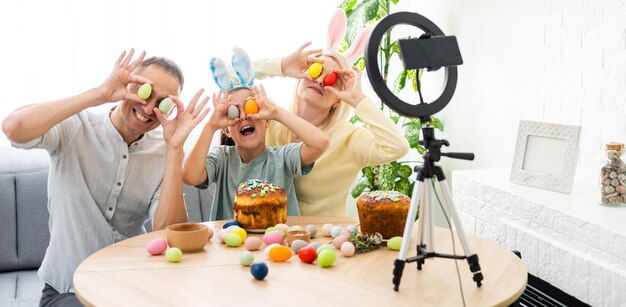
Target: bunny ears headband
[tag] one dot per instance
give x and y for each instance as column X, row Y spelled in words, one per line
column 242, row 69
column 337, row 31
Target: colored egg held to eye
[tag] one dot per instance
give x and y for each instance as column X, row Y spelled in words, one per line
column 233, row 111
column 251, row 107
column 330, row 79
column 166, row 105
column 145, row 91
column 315, row 70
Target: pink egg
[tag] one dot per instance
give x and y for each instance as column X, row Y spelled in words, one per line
column 252, row 243
column 273, row 236
column 156, row 246
column 222, row 234
column 345, row 232
column 326, row 229
column 339, row 240
column 347, row 249
column 210, row 233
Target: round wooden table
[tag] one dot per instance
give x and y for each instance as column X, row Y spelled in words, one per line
column 125, row 274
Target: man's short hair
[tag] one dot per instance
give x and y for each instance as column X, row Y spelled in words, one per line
column 166, row 64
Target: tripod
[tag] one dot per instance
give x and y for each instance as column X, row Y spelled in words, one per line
column 422, row 192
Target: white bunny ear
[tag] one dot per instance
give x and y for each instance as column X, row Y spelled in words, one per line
column 358, row 45
column 337, row 29
column 242, row 65
column 221, row 74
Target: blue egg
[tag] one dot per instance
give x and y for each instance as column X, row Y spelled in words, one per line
column 231, row 223
column 259, row 270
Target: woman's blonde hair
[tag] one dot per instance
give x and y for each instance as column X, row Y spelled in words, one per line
column 336, row 114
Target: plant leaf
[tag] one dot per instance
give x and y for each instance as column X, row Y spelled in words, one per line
column 395, row 1
column 412, row 133
column 348, row 5
column 360, row 17
column 400, row 82
column 435, row 122
column 359, row 187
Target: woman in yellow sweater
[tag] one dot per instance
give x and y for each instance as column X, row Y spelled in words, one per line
column 324, row 190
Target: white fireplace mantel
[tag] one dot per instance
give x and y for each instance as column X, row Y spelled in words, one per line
column 568, row 240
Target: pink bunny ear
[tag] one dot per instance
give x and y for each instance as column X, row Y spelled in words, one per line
column 337, row 29
column 358, row 45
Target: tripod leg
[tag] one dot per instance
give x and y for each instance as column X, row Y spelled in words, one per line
column 472, row 258
column 429, row 217
column 406, row 236
column 420, row 226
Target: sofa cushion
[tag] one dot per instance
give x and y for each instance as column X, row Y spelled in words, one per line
column 20, row 288
column 24, row 232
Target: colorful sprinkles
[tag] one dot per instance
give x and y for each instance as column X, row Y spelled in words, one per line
column 264, row 187
column 392, row 195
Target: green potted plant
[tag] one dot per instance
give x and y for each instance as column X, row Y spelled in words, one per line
column 395, row 175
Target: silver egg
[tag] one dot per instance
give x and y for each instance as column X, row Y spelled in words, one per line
column 233, row 111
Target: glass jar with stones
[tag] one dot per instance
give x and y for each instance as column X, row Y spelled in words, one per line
column 613, row 176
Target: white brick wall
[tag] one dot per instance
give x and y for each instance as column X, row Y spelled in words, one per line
column 563, row 238
column 590, row 39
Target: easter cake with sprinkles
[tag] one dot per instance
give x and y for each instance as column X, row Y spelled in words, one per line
column 383, row 212
column 260, row 204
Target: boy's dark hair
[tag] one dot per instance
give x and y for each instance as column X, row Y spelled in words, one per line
column 166, row 64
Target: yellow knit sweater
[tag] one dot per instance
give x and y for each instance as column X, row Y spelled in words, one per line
column 323, row 191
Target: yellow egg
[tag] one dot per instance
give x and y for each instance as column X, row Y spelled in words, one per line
column 241, row 233
column 315, row 70
column 280, row 253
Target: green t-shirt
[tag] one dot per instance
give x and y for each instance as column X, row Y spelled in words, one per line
column 277, row 165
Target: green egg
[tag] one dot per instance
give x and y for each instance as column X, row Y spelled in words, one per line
column 166, row 105
column 394, row 243
column 144, row 91
column 326, row 258
column 232, row 240
column 246, row 258
column 276, row 228
column 173, row 254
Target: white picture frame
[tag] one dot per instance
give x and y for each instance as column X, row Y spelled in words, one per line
column 545, row 155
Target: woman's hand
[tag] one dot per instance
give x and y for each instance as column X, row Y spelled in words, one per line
column 351, row 92
column 267, row 110
column 219, row 119
column 115, row 87
column 296, row 64
column 176, row 130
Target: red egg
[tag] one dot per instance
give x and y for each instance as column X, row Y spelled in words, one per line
column 307, row 254
column 330, row 79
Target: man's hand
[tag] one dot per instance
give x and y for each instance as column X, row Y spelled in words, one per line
column 115, row 87
column 176, row 130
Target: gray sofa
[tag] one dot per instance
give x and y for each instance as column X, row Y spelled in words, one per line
column 24, row 222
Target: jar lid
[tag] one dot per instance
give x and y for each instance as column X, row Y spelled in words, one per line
column 615, row 146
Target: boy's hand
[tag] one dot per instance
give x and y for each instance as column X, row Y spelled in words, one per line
column 115, row 87
column 267, row 110
column 219, row 119
column 296, row 64
column 351, row 92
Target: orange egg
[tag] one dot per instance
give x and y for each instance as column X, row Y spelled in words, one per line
column 280, row 253
column 250, row 107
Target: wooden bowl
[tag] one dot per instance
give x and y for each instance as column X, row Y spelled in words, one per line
column 293, row 235
column 189, row 237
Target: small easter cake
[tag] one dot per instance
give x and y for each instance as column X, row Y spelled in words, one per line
column 260, row 204
column 383, row 212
